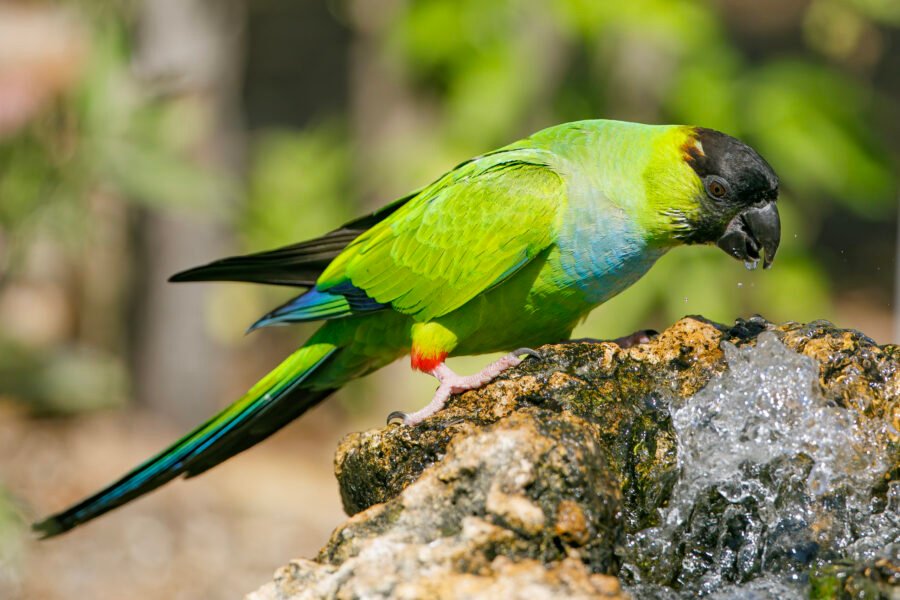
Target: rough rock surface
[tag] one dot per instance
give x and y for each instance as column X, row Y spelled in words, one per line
column 531, row 486
column 878, row 578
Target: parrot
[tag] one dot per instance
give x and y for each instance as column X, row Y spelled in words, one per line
column 505, row 252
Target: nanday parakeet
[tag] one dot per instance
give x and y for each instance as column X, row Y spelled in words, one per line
column 509, row 249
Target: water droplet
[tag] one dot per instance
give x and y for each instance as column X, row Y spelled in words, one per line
column 740, row 284
column 751, row 264
column 763, row 437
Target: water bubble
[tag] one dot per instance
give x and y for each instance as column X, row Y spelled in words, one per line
column 773, row 477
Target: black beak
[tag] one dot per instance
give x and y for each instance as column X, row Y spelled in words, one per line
column 752, row 232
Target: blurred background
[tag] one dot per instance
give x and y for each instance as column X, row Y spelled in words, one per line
column 141, row 138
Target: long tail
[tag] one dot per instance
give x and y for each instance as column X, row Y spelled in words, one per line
column 272, row 403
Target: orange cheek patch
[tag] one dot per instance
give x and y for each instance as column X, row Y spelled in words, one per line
column 425, row 362
column 692, row 149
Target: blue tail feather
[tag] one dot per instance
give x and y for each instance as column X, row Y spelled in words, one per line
column 317, row 305
column 267, row 407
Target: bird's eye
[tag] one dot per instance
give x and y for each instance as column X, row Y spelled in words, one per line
column 716, row 187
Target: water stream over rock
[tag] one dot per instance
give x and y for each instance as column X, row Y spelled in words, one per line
column 774, row 479
column 756, row 461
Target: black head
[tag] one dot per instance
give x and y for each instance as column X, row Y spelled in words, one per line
column 738, row 209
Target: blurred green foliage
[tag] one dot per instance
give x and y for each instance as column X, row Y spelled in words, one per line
column 110, row 136
column 294, row 174
column 495, row 68
column 477, row 74
column 69, row 379
column 109, row 140
column 12, row 529
column 462, row 77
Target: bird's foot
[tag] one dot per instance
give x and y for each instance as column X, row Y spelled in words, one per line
column 451, row 383
column 641, row 336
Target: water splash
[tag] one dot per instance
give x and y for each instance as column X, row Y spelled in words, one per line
column 774, row 478
column 769, row 406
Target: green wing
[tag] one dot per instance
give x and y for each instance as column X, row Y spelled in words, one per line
column 460, row 236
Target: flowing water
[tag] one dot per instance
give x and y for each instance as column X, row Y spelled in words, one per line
column 775, row 480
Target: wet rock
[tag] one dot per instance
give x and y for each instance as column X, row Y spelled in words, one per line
column 875, row 579
column 782, row 466
column 524, row 579
column 523, row 508
column 621, row 393
column 712, row 460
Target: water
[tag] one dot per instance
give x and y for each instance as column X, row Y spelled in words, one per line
column 774, row 479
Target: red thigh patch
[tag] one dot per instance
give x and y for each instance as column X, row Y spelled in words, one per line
column 426, row 362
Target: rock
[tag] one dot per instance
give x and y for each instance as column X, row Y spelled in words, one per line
column 597, row 461
column 480, row 522
column 782, row 467
column 525, row 579
column 879, row 578
column 619, row 392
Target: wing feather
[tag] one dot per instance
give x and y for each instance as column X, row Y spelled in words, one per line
column 295, row 265
column 459, row 237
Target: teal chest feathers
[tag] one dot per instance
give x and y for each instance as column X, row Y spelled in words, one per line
column 602, row 254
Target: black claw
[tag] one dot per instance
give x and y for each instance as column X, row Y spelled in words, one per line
column 396, row 415
column 529, row 352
